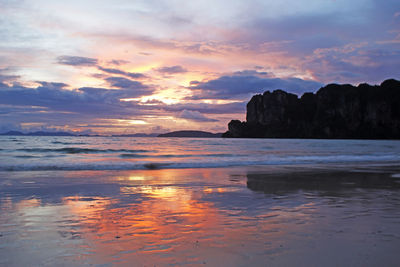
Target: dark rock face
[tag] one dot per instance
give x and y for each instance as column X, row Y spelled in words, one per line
column 335, row 111
column 332, row 182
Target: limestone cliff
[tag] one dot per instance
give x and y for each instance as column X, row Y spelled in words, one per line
column 335, row 111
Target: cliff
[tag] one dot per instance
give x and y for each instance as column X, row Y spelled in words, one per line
column 335, row 111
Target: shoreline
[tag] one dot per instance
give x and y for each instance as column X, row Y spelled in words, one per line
column 151, row 166
column 312, row 166
column 300, row 174
column 255, row 215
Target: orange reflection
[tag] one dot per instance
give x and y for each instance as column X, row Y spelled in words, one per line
column 28, row 203
column 161, row 217
column 218, row 190
column 166, row 218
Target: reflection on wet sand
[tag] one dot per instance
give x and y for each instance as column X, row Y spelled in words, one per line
column 200, row 217
column 323, row 181
column 155, row 226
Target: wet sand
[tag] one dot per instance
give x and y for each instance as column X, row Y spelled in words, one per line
column 248, row 216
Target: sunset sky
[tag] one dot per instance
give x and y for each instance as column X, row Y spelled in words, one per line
column 156, row 66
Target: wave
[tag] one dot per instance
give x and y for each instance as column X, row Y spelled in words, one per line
column 77, row 150
column 130, row 155
column 25, row 156
column 67, row 143
column 83, row 167
column 203, row 163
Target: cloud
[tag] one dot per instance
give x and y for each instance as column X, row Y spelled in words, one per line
column 172, row 69
column 52, row 85
column 132, row 88
column 193, row 83
column 353, row 63
column 194, row 116
column 54, row 104
column 118, row 62
column 92, row 62
column 205, row 108
column 145, row 54
column 8, row 78
column 150, row 42
column 53, row 100
column 133, row 75
column 251, row 72
column 240, row 84
column 121, row 82
column 77, row 61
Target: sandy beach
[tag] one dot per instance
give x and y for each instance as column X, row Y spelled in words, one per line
column 242, row 216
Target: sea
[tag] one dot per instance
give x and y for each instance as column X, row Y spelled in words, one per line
column 43, row 153
column 122, row 201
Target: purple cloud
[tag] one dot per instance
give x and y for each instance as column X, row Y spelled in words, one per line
column 172, row 69
column 8, row 78
column 194, row 116
column 354, row 63
column 133, row 75
column 51, row 85
column 134, row 88
column 204, row 108
column 77, row 61
column 241, row 84
column 118, row 62
column 88, row 102
column 52, row 105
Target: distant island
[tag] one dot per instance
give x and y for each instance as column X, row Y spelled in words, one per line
column 191, row 134
column 333, row 112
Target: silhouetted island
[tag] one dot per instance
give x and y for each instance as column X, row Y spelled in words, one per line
column 334, row 112
column 191, row 134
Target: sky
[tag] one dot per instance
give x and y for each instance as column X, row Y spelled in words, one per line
column 123, row 67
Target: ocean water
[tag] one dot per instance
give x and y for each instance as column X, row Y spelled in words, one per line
column 120, row 153
column 97, row 201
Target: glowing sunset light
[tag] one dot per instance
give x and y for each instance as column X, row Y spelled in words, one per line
column 136, row 122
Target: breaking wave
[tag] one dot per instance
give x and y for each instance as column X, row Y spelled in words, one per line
column 203, row 163
column 77, row 150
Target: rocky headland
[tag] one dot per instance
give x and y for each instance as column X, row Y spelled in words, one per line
column 334, row 112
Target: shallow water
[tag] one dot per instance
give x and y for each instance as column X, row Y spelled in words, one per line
column 196, row 217
column 80, row 201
